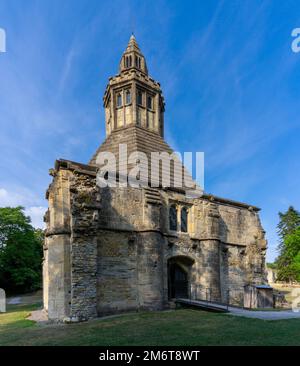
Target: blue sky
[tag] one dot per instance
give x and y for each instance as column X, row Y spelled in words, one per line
column 230, row 80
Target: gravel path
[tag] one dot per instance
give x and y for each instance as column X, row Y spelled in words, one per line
column 265, row 315
column 257, row 314
column 14, row 301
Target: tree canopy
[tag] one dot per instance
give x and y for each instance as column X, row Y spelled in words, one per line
column 288, row 222
column 20, row 251
column 288, row 261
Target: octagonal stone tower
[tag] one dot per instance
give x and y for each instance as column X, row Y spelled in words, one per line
column 132, row 98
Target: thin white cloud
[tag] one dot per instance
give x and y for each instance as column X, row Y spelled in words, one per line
column 66, row 69
column 11, row 198
column 36, row 214
column 24, row 198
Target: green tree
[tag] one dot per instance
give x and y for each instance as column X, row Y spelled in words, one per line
column 20, row 251
column 289, row 221
column 288, row 261
column 272, row 265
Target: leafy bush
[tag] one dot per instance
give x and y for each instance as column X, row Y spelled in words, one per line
column 21, row 252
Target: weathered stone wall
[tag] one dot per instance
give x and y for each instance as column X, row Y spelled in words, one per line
column 56, row 266
column 117, row 278
column 84, row 200
column 116, row 254
column 150, row 271
column 110, row 260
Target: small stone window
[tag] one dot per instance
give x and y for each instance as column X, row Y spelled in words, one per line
column 173, row 218
column 119, row 100
column 128, row 97
column 128, row 61
column 184, row 219
column 138, row 62
column 140, row 98
column 149, row 102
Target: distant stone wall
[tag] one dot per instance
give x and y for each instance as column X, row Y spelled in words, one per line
column 271, row 274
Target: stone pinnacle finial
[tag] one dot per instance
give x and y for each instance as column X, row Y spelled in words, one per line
column 132, row 57
column 132, row 44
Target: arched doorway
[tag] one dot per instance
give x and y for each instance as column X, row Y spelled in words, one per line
column 179, row 273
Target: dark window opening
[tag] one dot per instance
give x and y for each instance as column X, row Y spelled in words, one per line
column 184, row 219
column 128, row 61
column 173, row 218
column 140, row 98
column 128, row 97
column 119, row 100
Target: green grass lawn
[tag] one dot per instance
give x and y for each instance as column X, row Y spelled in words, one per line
column 179, row 327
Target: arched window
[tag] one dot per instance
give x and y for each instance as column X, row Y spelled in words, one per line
column 149, row 102
column 140, row 98
column 128, row 61
column 138, row 62
column 173, row 218
column 184, row 219
column 128, row 97
column 119, row 100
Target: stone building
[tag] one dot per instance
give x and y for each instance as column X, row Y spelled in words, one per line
column 115, row 249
